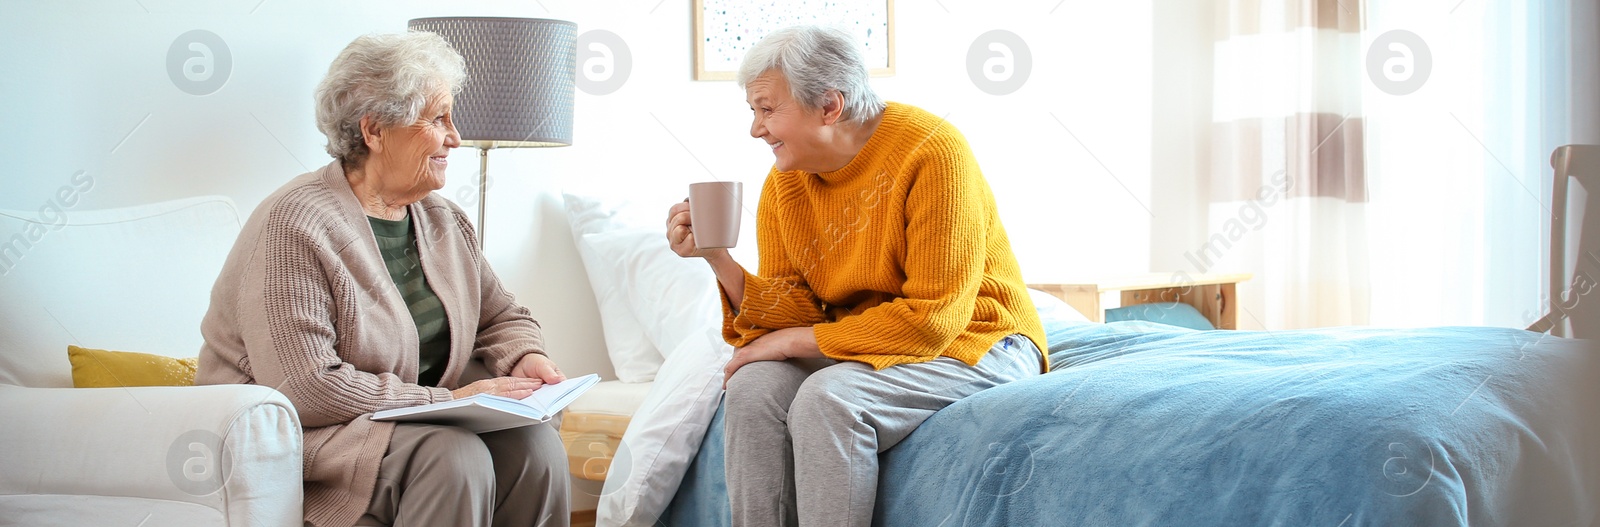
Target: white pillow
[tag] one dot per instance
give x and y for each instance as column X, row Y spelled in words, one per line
column 1050, row 308
column 674, row 298
column 665, row 433
column 632, row 355
column 676, row 301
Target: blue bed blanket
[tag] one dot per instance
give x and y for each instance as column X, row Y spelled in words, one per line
column 1143, row 424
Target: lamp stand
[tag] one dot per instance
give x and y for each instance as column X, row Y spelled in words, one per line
column 483, row 190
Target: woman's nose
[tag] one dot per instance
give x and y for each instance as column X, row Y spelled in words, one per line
column 453, row 138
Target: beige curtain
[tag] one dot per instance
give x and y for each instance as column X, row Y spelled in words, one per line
column 1288, row 191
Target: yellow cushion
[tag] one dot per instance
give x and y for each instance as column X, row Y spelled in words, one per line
column 92, row 368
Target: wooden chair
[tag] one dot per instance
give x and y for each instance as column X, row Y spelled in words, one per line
column 1574, row 302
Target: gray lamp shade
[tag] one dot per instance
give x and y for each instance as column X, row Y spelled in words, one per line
column 521, row 75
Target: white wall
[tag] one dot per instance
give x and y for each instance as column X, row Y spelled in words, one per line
column 1181, row 99
column 87, row 89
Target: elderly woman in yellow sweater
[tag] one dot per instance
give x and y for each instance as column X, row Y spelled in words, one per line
column 886, row 289
column 357, row 288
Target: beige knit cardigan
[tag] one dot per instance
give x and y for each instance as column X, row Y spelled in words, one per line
column 305, row 305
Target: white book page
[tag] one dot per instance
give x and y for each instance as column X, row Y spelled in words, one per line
column 551, row 398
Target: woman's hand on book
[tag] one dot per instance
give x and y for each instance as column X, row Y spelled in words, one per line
column 513, row 387
column 538, row 368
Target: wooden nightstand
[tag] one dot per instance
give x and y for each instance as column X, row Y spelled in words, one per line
column 1212, row 294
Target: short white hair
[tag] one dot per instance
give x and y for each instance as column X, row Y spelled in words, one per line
column 387, row 76
column 815, row 60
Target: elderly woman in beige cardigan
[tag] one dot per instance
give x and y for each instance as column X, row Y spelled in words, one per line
column 355, row 288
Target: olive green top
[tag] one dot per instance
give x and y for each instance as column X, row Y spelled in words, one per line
column 399, row 247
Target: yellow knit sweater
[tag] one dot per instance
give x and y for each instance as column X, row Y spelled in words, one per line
column 899, row 257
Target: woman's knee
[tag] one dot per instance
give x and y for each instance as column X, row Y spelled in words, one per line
column 531, row 450
column 452, row 453
column 759, row 385
column 826, row 397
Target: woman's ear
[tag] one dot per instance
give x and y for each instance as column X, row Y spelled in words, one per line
column 371, row 134
column 833, row 109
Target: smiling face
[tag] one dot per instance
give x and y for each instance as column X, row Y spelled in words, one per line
column 793, row 131
column 411, row 160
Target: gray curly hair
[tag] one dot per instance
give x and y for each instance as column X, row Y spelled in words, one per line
column 815, row 60
column 387, row 76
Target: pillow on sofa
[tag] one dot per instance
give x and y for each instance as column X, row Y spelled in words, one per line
column 674, row 298
column 632, row 355
column 92, row 368
column 665, row 432
column 676, row 301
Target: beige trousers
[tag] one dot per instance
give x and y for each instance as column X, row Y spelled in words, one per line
column 446, row 476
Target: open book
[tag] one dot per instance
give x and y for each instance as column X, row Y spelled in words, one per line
column 488, row 413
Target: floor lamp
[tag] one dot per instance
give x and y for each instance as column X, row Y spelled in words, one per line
column 521, row 75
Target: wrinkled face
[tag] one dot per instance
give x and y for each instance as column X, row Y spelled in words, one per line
column 793, row 131
column 414, row 156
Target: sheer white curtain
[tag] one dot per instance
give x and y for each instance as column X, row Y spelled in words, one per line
column 1288, row 192
column 1460, row 167
column 1414, row 169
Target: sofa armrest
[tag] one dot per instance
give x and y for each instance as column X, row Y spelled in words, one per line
column 232, row 448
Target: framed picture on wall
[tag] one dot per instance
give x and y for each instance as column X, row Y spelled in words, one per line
column 725, row 29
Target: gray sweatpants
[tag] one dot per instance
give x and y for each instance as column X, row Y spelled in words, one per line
column 802, row 437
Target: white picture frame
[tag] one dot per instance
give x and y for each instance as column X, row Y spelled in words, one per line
column 725, row 29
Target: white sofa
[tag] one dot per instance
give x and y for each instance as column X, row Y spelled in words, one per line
column 132, row 279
